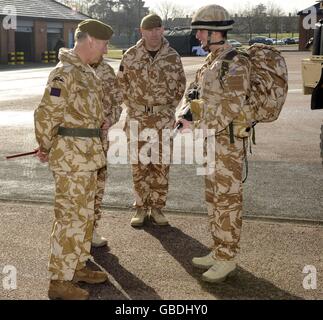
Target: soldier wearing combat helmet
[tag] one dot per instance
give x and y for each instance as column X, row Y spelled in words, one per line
column 220, row 88
column 68, row 124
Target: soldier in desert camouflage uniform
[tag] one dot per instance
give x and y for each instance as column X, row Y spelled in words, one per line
column 223, row 84
column 112, row 100
column 67, row 127
column 153, row 82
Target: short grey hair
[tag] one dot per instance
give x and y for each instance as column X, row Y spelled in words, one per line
column 79, row 35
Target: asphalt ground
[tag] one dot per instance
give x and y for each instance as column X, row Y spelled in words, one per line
column 153, row 263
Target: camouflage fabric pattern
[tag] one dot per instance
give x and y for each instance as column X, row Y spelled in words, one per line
column 269, row 82
column 73, row 225
column 72, row 99
column 112, row 95
column 112, row 100
column 224, row 95
column 151, row 82
column 223, row 195
column 150, row 181
column 205, row 17
column 99, row 193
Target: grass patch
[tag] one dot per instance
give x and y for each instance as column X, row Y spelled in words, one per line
column 114, row 54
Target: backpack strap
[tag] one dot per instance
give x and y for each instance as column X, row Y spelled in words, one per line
column 227, row 59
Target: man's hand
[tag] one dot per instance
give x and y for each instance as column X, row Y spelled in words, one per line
column 106, row 126
column 42, row 156
column 185, row 125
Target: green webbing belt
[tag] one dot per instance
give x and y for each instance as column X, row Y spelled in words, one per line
column 79, row 132
column 231, row 132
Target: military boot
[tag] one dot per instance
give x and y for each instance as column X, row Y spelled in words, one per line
column 219, row 271
column 89, row 276
column 97, row 240
column 205, row 262
column 139, row 217
column 66, row 290
column 158, row 217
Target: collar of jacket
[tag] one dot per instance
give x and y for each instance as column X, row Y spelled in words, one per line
column 218, row 53
column 68, row 56
column 161, row 52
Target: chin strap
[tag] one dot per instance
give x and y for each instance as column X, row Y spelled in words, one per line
column 216, row 43
column 209, row 43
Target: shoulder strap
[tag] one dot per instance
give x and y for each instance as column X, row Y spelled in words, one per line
column 230, row 55
column 226, row 61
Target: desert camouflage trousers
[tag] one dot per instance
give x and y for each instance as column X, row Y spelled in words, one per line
column 100, row 185
column 73, row 224
column 150, row 184
column 151, row 173
column 223, row 193
column 99, row 193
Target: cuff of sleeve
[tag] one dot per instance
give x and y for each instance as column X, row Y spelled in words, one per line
column 44, row 150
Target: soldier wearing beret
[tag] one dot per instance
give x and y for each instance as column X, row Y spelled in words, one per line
column 152, row 80
column 68, row 124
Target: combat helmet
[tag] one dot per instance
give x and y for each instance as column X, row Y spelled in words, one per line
column 212, row 17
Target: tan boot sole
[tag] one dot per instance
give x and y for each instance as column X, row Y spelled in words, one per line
column 52, row 296
column 158, row 224
column 201, row 266
column 102, row 244
column 90, row 281
column 219, row 280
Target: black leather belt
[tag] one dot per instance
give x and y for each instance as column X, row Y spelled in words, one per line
column 79, row 132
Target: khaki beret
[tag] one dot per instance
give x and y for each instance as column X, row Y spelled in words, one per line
column 96, row 29
column 151, row 21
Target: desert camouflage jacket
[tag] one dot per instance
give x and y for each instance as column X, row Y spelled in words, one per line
column 72, row 99
column 224, row 91
column 112, row 96
column 148, row 81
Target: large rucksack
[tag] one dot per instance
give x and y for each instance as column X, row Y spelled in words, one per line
column 268, row 87
column 268, row 90
column 268, row 82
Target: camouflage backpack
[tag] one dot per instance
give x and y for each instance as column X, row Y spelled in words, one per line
column 268, row 82
column 268, row 88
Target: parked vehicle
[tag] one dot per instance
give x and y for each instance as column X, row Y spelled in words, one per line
column 296, row 40
column 290, row 41
column 234, row 43
column 261, row 40
column 278, row 42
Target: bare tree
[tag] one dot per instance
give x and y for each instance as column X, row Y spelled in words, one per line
column 274, row 13
column 166, row 9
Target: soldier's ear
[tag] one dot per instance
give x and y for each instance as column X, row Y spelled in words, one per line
column 90, row 41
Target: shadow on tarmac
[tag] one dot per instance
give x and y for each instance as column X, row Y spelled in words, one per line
column 135, row 288
column 243, row 285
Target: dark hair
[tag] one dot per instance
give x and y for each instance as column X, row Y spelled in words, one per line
column 224, row 34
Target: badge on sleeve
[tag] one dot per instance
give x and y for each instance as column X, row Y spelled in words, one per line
column 56, row 92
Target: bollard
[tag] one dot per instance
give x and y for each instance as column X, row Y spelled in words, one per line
column 52, row 56
column 20, row 57
column 44, row 58
column 12, row 58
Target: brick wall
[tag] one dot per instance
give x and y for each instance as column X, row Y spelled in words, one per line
column 40, row 39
